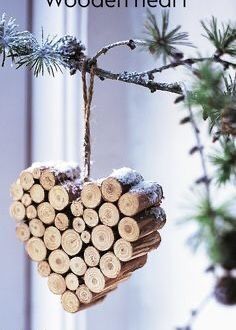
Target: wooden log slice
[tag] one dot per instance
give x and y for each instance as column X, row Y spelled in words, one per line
column 84, row 295
column 44, row 269
column 26, row 180
column 119, row 182
column 140, row 197
column 92, row 304
column 16, row 191
column 72, row 282
column 17, row 211
column 110, row 265
column 91, row 256
column 90, row 217
column 53, row 174
column 91, row 195
column 61, row 221
column 78, row 225
column 36, row 249
column 94, row 279
column 56, row 283
column 59, row 261
column 31, row 212
column 102, row 237
column 61, row 195
column 36, row 172
column 52, row 238
column 131, row 229
column 37, row 228
column 85, row 237
column 78, row 266
column 71, row 242
column 37, row 193
column 70, row 302
column 126, row 251
column 133, row 265
column 77, row 208
column 109, row 214
column 46, row 213
column 23, row 232
column 26, row 200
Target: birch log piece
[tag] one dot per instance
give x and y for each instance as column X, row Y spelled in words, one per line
column 37, row 228
column 84, row 295
column 109, row 214
column 131, row 229
column 78, row 225
column 71, row 242
column 23, row 232
column 56, row 283
column 26, row 200
column 140, row 197
column 77, row 208
column 17, row 211
column 61, row 221
column 59, row 261
column 70, row 302
column 78, row 266
column 91, row 256
column 37, row 193
column 44, row 269
column 46, row 213
column 36, row 249
column 119, row 182
column 91, row 195
column 31, row 212
column 52, row 238
column 94, row 279
column 55, row 173
column 85, row 236
column 16, row 191
column 110, row 265
column 102, row 237
column 90, row 217
column 61, row 195
column 126, row 251
column 92, row 304
column 26, row 179
column 72, row 282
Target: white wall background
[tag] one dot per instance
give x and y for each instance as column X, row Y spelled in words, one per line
column 13, row 146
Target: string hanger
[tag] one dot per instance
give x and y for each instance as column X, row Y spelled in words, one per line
column 87, row 97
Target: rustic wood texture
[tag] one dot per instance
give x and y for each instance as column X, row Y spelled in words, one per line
column 44, row 269
column 109, row 214
column 78, row 225
column 37, row 193
column 91, row 195
column 50, row 175
column 23, row 232
column 61, row 196
column 16, row 191
column 62, row 221
column 56, row 283
column 37, row 228
column 90, row 217
column 87, row 238
column 139, row 198
column 119, row 183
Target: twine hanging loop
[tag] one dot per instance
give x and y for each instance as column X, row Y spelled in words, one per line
column 87, row 97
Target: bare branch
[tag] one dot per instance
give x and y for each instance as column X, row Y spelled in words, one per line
column 132, row 44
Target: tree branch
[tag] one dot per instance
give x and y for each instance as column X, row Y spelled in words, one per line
column 132, row 44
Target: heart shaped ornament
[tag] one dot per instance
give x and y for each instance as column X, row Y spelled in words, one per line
column 87, row 237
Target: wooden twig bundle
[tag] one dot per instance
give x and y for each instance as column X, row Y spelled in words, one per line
column 87, row 238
